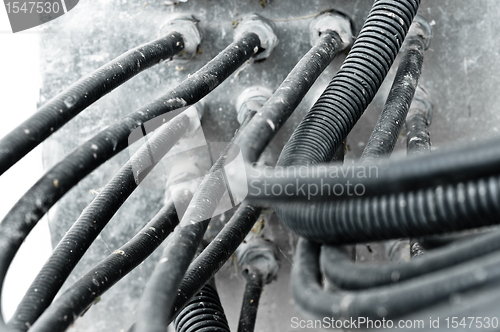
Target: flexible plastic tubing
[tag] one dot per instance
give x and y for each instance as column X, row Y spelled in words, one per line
column 252, row 140
column 381, row 144
column 204, row 313
column 325, row 127
column 347, row 275
column 386, row 132
column 450, row 207
column 454, row 165
column 278, row 108
column 61, row 314
column 482, row 302
column 387, row 301
column 251, row 297
column 45, row 193
column 70, row 102
column 93, row 219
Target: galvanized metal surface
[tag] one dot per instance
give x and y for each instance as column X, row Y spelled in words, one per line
column 459, row 72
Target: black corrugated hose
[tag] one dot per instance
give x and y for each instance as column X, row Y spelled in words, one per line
column 458, row 164
column 326, row 126
column 70, row 102
column 61, row 314
column 63, row 176
column 252, row 139
column 91, row 222
column 453, row 206
column 204, row 313
column 349, row 276
column 332, row 117
column 384, row 301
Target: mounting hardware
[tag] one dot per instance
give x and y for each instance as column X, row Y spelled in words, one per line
column 251, row 99
column 334, row 21
column 187, row 26
column 422, row 103
column 261, row 26
column 421, row 27
column 258, row 256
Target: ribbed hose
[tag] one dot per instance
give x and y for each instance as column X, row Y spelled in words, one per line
column 325, row 127
column 332, row 117
column 70, row 102
column 254, row 138
column 251, row 297
column 466, row 162
column 441, row 209
column 387, row 301
column 204, row 313
column 91, row 222
column 62, row 177
column 349, row 276
column 61, row 314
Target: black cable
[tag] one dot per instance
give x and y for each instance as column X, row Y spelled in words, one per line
column 91, row 222
column 347, row 275
column 203, row 313
column 444, row 208
column 251, row 297
column 62, row 177
column 417, row 127
column 61, row 314
column 455, row 266
column 387, row 301
column 208, row 263
column 467, row 162
column 381, row 144
column 70, row 102
column 386, row 132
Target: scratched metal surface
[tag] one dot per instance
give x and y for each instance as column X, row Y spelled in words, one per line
column 459, row 71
